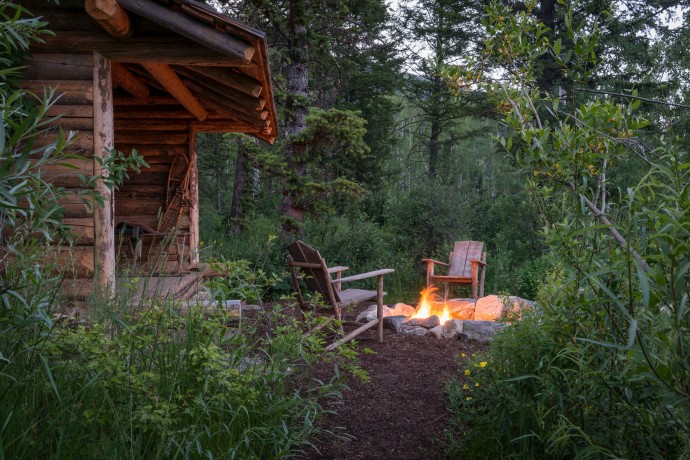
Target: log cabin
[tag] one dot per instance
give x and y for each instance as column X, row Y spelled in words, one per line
column 146, row 75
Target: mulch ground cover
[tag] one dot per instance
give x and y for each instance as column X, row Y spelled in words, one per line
column 401, row 412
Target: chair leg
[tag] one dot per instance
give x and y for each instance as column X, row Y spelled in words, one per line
column 379, row 307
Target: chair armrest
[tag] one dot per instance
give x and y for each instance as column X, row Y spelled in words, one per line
column 362, row 276
column 436, row 262
column 483, row 264
column 337, row 269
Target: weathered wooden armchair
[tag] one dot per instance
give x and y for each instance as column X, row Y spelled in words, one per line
column 306, row 263
column 467, row 266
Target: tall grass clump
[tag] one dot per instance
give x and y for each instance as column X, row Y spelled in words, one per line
column 163, row 384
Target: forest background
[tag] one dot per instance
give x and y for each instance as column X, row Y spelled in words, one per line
column 384, row 164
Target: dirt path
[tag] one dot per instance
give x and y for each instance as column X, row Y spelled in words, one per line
column 401, row 413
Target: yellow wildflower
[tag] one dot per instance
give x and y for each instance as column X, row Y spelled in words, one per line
column 482, row 364
column 476, row 384
column 464, row 355
column 465, row 387
column 467, row 372
column 469, row 398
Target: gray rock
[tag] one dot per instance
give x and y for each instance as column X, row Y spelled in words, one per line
column 452, row 328
column 414, row 330
column 481, row 331
column 370, row 314
column 395, row 323
column 436, row 332
column 430, row 322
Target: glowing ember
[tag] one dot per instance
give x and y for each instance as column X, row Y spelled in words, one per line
column 429, row 307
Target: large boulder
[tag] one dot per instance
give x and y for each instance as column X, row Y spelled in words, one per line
column 436, row 332
column 403, row 309
column 481, row 331
column 395, row 323
column 493, row 307
column 453, row 328
column 415, row 330
column 430, row 322
column 370, row 314
column 490, row 308
column 462, row 308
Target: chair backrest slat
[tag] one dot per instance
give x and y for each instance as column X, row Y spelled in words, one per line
column 463, row 253
column 316, row 279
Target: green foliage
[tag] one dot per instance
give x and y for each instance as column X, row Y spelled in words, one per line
column 162, row 385
column 599, row 369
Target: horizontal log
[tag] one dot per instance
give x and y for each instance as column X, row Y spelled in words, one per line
column 78, row 111
column 79, row 289
column 82, row 142
column 61, row 17
column 192, row 29
column 151, row 220
column 150, row 125
column 124, row 206
column 75, row 123
column 61, row 175
column 143, row 191
column 151, row 137
column 153, row 150
column 151, row 100
column 231, row 79
column 230, row 126
column 76, row 261
column 58, row 66
column 68, row 92
column 163, row 48
column 75, row 205
column 82, row 229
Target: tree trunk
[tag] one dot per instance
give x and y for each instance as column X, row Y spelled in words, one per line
column 236, row 214
column 297, row 87
column 550, row 72
column 434, row 146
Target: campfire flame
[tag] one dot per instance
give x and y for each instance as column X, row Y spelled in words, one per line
column 429, row 307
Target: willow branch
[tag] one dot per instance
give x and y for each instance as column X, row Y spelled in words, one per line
column 604, row 220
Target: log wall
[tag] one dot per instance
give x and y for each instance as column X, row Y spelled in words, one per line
column 72, row 77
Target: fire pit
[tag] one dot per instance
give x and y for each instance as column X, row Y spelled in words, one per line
column 453, row 318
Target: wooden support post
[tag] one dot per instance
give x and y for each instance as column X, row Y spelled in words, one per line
column 379, row 306
column 194, row 196
column 103, row 141
column 172, row 83
column 111, row 16
column 129, row 82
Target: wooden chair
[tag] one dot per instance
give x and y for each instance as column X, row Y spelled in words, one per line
column 466, row 266
column 306, row 261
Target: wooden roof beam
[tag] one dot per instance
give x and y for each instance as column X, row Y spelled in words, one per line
column 234, row 80
column 172, row 83
column 129, row 82
column 110, row 16
column 191, row 28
